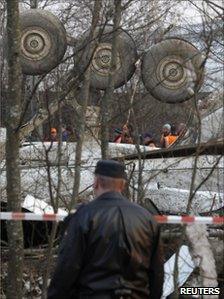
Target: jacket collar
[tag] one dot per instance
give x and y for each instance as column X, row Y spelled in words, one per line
column 110, row 195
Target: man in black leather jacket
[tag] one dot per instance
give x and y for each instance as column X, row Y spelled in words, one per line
column 111, row 248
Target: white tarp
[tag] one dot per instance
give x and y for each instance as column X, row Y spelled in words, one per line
column 185, row 268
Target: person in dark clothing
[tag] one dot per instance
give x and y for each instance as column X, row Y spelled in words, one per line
column 148, row 140
column 111, row 247
column 64, row 133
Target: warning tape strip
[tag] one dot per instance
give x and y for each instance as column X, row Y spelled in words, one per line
column 159, row 218
column 31, row 216
column 189, row 219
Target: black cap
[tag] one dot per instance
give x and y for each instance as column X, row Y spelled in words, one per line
column 111, row 169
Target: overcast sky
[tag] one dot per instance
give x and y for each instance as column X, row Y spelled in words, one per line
column 192, row 10
column 188, row 10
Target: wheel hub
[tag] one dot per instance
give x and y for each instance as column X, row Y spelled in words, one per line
column 171, row 72
column 35, row 43
column 102, row 59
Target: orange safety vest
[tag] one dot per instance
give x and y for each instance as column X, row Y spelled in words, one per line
column 171, row 139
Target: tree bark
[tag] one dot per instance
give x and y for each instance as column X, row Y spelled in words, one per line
column 33, row 3
column 54, row 199
column 82, row 119
column 14, row 228
column 202, row 255
column 110, row 88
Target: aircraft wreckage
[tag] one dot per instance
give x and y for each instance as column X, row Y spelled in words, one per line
column 166, row 173
column 171, row 72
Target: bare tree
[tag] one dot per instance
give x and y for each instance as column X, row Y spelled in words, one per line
column 85, row 91
column 14, row 228
column 148, row 23
column 110, row 88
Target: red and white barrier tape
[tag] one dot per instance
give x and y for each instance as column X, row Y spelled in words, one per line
column 31, row 216
column 189, row 219
column 159, row 218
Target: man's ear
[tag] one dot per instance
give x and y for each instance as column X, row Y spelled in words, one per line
column 122, row 185
column 95, row 183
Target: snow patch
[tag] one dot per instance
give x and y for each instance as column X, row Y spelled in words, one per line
column 39, row 206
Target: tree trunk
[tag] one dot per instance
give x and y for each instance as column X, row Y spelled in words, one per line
column 33, row 3
column 54, row 199
column 203, row 256
column 14, row 228
column 82, row 119
column 110, row 88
